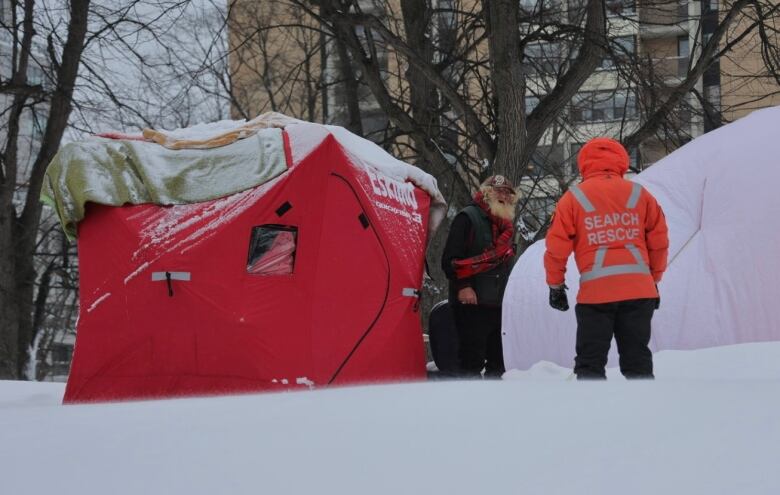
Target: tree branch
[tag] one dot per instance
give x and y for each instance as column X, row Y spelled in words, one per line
column 591, row 52
column 654, row 121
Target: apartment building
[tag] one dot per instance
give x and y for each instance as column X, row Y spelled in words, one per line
column 647, row 43
column 745, row 83
column 665, row 39
column 296, row 70
column 653, row 43
column 274, row 68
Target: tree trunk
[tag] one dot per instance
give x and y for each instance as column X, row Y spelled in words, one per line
column 417, row 16
column 9, row 246
column 417, row 19
column 354, row 122
column 502, row 21
column 9, row 305
column 19, row 236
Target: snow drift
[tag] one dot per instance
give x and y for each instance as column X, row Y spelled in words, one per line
column 703, row 427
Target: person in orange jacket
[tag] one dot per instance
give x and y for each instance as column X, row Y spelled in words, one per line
column 618, row 234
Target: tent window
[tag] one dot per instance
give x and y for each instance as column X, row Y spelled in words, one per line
column 272, row 250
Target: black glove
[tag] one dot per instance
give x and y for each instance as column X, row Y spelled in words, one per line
column 658, row 299
column 558, row 299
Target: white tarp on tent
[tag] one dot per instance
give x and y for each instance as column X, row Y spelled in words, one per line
column 721, row 196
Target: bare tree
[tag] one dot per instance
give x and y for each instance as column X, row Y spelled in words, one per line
column 166, row 66
column 462, row 88
column 277, row 58
column 515, row 87
column 92, row 57
column 19, row 226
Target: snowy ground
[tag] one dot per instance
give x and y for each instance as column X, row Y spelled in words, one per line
column 708, row 425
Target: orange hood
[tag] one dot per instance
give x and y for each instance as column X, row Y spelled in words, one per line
column 602, row 156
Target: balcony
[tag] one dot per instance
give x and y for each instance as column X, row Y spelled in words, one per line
column 662, row 19
column 671, row 70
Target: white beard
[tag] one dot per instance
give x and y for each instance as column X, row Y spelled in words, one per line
column 505, row 211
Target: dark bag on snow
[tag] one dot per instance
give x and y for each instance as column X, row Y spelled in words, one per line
column 443, row 337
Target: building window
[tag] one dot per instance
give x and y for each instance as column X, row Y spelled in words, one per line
column 712, row 96
column 603, row 106
column 633, row 158
column 710, row 5
column 540, row 11
column 682, row 46
column 531, row 102
column 620, row 7
column 623, row 105
column 712, row 116
column 574, row 150
column 621, row 49
column 545, row 160
column 544, row 58
column 272, row 250
column 682, row 10
column 536, row 214
column 615, row 8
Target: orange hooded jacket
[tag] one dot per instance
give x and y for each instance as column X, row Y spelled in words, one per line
column 615, row 227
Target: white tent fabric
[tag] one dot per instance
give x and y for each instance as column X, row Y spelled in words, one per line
column 721, row 197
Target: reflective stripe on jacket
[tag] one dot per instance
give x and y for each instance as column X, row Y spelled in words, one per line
column 617, row 232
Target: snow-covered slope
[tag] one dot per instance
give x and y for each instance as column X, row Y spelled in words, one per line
column 720, row 197
column 708, row 425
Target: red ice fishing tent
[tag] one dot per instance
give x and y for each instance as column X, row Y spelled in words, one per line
column 291, row 257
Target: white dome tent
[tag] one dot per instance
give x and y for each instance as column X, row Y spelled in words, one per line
column 721, row 197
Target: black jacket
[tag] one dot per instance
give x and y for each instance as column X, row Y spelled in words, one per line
column 461, row 244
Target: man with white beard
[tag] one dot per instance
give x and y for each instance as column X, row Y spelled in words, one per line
column 477, row 260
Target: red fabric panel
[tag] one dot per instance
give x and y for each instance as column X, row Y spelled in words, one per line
column 350, row 281
column 393, row 348
column 287, row 149
column 229, row 331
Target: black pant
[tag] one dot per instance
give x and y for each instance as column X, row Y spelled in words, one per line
column 629, row 322
column 479, row 340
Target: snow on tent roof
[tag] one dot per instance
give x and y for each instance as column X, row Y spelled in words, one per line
column 304, row 137
column 719, row 194
column 117, row 172
column 247, row 154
